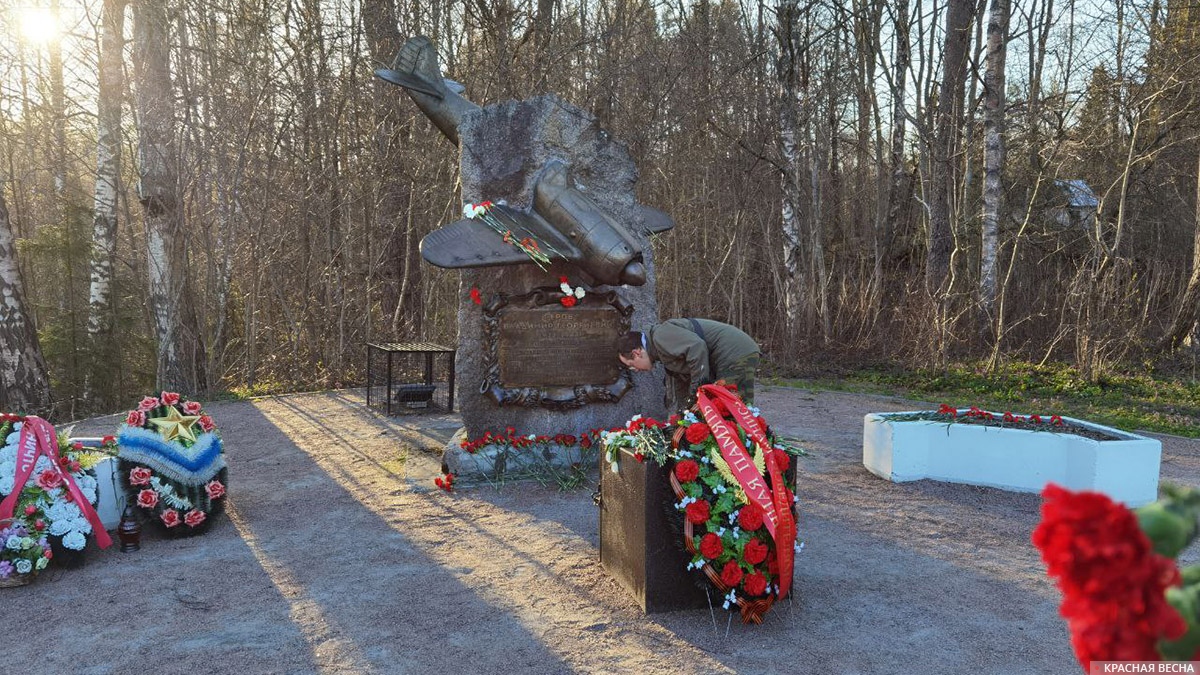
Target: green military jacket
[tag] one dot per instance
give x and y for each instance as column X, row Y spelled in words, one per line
column 698, row 361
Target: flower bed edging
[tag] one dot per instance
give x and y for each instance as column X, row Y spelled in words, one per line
column 1012, row 459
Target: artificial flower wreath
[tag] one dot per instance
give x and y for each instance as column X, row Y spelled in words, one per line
column 173, row 463
column 47, row 509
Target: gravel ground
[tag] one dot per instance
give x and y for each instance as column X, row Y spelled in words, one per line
column 337, row 555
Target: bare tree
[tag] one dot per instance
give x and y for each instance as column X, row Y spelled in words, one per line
column 24, row 385
column 944, row 153
column 108, row 170
column 993, row 155
column 180, row 350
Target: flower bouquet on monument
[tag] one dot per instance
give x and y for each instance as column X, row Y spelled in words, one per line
column 48, row 491
column 173, row 463
column 1124, row 598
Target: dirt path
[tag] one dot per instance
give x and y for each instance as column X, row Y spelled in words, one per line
column 339, row 555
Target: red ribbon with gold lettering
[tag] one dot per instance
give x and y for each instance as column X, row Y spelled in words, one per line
column 38, row 438
column 775, row 503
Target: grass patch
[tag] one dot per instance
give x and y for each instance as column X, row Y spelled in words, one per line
column 1152, row 402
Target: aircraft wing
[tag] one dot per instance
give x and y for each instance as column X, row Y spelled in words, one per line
column 653, row 220
column 472, row 242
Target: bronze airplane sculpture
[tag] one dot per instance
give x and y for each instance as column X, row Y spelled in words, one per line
column 562, row 221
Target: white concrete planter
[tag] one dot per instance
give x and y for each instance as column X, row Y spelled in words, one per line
column 1012, row 459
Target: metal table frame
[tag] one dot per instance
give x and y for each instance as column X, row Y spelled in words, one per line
column 429, row 349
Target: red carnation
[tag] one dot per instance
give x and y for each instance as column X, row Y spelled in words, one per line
column 781, row 459
column 755, row 552
column 697, row 512
column 108, row 440
column 731, row 574
column 170, row 517
column 750, row 518
column 568, row 301
column 756, row 584
column 711, row 546
column 697, row 432
column 30, row 510
column 948, row 410
column 1112, row 582
column 687, row 471
column 476, row 296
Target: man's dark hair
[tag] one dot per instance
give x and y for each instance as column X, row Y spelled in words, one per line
column 629, row 342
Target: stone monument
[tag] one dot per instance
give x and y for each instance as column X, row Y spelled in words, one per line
column 525, row 359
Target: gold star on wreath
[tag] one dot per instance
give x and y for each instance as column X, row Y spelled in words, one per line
column 175, row 425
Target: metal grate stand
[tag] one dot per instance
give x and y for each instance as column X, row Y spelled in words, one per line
column 410, row 377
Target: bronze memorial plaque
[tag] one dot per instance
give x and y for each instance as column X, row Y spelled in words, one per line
column 558, row 347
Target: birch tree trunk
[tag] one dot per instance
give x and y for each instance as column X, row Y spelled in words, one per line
column 24, row 386
column 899, row 174
column 787, row 29
column 180, row 350
column 947, row 129
column 108, row 170
column 993, row 156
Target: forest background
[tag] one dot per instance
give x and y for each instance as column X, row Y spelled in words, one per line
column 219, row 197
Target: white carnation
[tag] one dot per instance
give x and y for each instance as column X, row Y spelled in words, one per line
column 75, row 541
column 43, row 464
column 81, row 525
column 85, row 482
column 59, row 528
column 566, row 289
column 6, row 484
column 579, row 292
column 8, row 453
column 468, row 210
column 24, row 566
column 7, row 467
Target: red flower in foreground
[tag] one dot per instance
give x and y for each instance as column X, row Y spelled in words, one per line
column 194, row 518
column 756, row 584
column 698, row 512
column 947, row 410
column 148, row 403
column 192, row 407
column 755, row 551
column 687, row 471
column 711, row 546
column 697, row 432
column 1056, row 420
column 750, row 518
column 206, row 423
column 1035, row 419
column 568, row 301
column 136, row 418
column 169, row 398
column 731, row 574
column 476, row 296
column 170, row 517
column 1112, row 581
